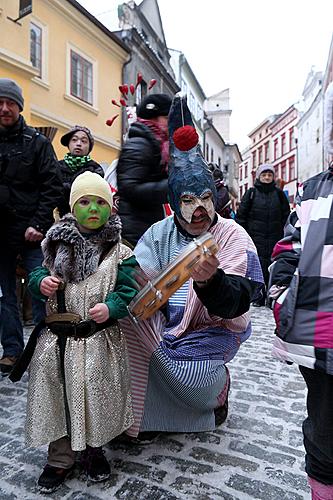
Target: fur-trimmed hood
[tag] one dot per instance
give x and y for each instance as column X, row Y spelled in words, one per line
column 72, row 256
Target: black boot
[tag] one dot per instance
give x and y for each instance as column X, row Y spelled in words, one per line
column 95, row 465
column 52, row 477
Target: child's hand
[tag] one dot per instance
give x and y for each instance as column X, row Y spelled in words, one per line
column 49, row 285
column 99, row 313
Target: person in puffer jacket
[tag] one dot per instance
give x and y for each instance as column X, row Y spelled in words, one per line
column 263, row 212
column 301, row 292
column 142, row 173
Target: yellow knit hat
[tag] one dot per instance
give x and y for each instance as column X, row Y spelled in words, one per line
column 90, row 184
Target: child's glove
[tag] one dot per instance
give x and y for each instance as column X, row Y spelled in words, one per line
column 99, row 313
column 49, row 285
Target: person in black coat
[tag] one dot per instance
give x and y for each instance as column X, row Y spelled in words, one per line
column 80, row 142
column 263, row 212
column 30, row 189
column 142, row 175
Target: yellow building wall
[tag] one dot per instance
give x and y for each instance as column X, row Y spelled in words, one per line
column 47, row 99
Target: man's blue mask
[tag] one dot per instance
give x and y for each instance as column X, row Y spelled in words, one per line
column 188, row 171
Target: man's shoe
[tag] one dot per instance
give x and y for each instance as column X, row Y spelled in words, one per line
column 95, row 465
column 7, row 363
column 52, row 477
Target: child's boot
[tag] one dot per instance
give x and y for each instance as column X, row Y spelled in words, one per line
column 95, row 465
column 52, row 477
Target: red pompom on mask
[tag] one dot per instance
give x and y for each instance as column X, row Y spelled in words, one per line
column 185, row 138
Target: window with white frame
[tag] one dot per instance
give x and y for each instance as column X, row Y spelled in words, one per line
column 36, row 47
column 81, row 77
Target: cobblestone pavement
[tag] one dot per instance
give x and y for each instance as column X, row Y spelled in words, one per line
column 256, row 454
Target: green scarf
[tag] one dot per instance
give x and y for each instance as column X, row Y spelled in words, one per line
column 75, row 163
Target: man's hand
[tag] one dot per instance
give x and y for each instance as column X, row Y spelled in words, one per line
column 31, row 234
column 99, row 313
column 205, row 269
column 49, row 285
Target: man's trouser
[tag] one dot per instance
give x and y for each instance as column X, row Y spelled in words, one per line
column 11, row 330
column 318, row 426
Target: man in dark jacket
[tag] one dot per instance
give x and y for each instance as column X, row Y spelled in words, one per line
column 142, row 173
column 80, row 142
column 263, row 212
column 30, row 188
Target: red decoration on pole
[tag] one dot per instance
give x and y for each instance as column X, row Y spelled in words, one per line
column 110, row 121
column 115, row 103
column 185, row 138
column 125, row 89
column 138, row 79
column 132, row 89
column 123, row 102
column 152, row 83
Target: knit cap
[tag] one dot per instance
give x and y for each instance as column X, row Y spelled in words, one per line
column 10, row 90
column 265, row 167
column 90, row 184
column 77, row 128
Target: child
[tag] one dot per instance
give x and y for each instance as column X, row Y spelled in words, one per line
column 79, row 390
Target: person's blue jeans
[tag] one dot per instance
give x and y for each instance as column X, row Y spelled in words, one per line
column 11, row 329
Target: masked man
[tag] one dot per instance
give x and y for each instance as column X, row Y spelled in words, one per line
column 178, row 358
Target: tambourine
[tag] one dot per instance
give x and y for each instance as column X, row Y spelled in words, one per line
column 156, row 292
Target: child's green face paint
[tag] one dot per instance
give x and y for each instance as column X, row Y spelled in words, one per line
column 92, row 212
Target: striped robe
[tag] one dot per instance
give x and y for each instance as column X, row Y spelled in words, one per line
column 178, row 371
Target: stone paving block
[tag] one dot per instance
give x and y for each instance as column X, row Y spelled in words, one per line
column 280, row 414
column 183, row 465
column 259, row 452
column 139, row 470
column 285, row 449
column 288, row 479
column 135, row 489
column 199, row 490
column 223, row 459
column 260, row 489
column 296, row 438
column 203, row 437
column 7, row 496
column 255, row 426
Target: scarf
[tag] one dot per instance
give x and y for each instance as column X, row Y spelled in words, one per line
column 75, row 163
column 161, row 134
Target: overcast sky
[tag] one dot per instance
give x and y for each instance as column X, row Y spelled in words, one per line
column 261, row 49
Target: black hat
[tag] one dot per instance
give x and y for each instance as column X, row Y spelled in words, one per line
column 67, row 137
column 154, row 105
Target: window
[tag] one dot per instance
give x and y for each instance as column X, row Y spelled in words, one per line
column 212, row 155
column 266, row 148
column 81, row 78
column 260, row 155
column 276, row 168
column 292, row 169
column 36, row 47
column 240, row 173
column 291, row 139
column 245, row 170
column 207, row 152
column 241, row 191
column 317, row 135
column 284, row 171
column 276, row 149
column 254, row 163
column 245, row 187
column 283, row 144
